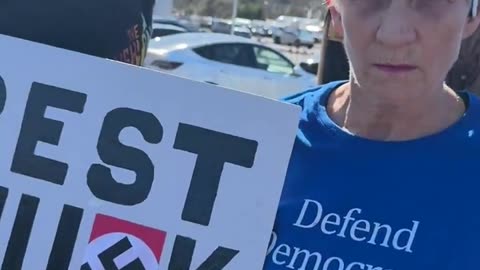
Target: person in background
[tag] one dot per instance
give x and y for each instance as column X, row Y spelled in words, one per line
column 114, row 29
column 465, row 73
column 383, row 170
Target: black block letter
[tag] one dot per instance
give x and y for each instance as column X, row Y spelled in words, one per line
column 108, row 256
column 22, row 227
column 183, row 252
column 3, row 199
column 214, row 149
column 65, row 238
column 3, row 94
column 113, row 152
column 37, row 128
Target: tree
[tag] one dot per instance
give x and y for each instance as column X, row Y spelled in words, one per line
column 465, row 74
column 252, row 11
column 210, row 7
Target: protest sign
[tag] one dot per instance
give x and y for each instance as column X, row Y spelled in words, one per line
column 109, row 166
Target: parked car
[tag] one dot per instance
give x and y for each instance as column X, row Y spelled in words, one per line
column 242, row 31
column 221, row 26
column 293, row 37
column 229, row 61
column 316, row 31
column 259, row 28
column 161, row 30
column 305, row 38
column 310, row 65
column 259, row 31
column 188, row 26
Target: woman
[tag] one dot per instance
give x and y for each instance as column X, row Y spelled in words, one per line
column 382, row 175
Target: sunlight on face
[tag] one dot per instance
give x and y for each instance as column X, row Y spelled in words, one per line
column 407, row 44
column 426, row 8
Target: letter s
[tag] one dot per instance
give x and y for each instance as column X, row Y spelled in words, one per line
column 113, row 152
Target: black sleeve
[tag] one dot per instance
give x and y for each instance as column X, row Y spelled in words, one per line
column 115, row 29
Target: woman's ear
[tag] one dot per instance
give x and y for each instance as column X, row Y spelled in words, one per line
column 473, row 20
column 336, row 28
column 471, row 26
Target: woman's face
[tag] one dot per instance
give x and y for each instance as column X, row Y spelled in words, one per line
column 407, row 44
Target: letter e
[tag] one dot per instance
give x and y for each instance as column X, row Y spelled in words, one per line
column 279, row 251
column 36, row 128
column 356, row 227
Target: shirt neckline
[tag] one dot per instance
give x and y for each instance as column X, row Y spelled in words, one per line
column 322, row 117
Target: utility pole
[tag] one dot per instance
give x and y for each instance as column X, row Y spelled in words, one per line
column 265, row 9
column 234, row 15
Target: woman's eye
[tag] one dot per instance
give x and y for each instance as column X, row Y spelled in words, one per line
column 424, row 4
column 430, row 7
column 371, row 5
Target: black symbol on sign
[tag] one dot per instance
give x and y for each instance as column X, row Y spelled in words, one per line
column 107, row 256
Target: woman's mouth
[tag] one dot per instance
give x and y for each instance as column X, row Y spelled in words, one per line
column 392, row 68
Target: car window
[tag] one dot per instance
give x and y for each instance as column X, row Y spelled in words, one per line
column 310, row 68
column 158, row 32
column 231, row 53
column 272, row 61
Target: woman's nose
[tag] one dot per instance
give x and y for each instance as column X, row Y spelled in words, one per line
column 395, row 28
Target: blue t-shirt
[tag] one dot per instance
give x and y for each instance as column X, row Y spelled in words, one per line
column 351, row 203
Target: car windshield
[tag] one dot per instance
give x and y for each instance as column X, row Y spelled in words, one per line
column 304, row 33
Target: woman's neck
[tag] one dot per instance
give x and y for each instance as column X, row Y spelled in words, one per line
column 368, row 115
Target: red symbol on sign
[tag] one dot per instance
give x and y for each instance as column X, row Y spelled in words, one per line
column 121, row 245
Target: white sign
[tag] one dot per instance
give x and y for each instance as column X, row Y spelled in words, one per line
column 110, row 166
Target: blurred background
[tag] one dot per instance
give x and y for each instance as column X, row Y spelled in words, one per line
column 267, row 47
column 270, row 48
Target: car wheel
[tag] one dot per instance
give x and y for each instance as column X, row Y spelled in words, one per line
column 310, row 46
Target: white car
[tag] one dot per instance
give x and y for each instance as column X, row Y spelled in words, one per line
column 294, row 37
column 310, row 64
column 229, row 61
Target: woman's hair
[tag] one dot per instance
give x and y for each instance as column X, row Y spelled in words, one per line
column 333, row 64
column 465, row 73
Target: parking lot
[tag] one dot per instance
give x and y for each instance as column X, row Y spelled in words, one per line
column 242, row 60
column 296, row 55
